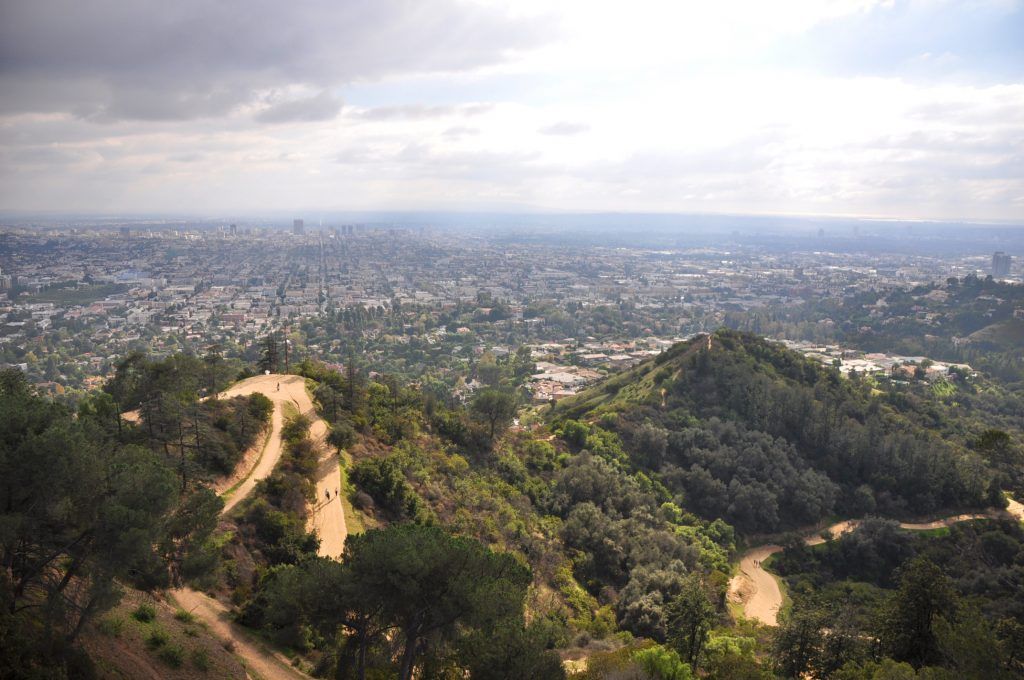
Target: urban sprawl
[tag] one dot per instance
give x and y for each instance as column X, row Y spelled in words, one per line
column 77, row 298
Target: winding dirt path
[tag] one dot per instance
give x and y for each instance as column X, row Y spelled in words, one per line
column 280, row 389
column 327, row 517
column 259, row 660
column 758, row 590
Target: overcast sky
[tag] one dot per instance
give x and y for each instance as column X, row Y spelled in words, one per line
column 844, row 107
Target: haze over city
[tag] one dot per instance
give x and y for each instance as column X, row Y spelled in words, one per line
column 847, row 107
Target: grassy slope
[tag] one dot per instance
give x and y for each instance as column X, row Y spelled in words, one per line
column 120, row 645
column 635, row 385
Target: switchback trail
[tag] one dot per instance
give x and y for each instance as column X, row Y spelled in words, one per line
column 326, row 517
column 758, row 590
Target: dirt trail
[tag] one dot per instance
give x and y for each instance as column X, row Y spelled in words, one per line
column 279, row 389
column 758, row 590
column 327, row 517
column 259, row 660
column 1015, row 508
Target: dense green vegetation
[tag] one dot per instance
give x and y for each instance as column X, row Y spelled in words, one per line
column 626, row 513
column 207, row 437
column 952, row 601
column 271, row 523
column 606, row 529
column 86, row 509
column 736, row 427
column 406, row 598
column 969, row 320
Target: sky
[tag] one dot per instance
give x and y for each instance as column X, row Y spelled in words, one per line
column 878, row 108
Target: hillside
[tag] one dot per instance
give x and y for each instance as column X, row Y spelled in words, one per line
column 1006, row 335
column 738, row 427
column 591, row 538
column 969, row 320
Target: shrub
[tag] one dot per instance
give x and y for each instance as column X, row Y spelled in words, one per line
column 283, row 537
column 540, row 455
column 575, row 433
column 201, row 659
column 157, row 638
column 260, row 407
column 363, row 501
column 172, row 655
column 342, row 436
column 111, row 626
column 384, row 480
column 145, row 613
column 295, row 430
column 661, row 663
column 184, row 616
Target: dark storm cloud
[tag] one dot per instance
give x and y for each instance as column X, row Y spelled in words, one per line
column 158, row 60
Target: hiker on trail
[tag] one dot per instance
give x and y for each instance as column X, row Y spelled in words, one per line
column 335, row 491
column 327, row 492
column 278, row 387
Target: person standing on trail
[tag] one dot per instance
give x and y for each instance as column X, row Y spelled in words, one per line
column 327, row 492
column 278, row 387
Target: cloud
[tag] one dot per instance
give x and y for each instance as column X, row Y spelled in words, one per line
column 412, row 112
column 154, row 60
column 188, row 158
column 323, row 106
column 460, row 131
column 732, row 106
column 48, row 156
column 564, row 128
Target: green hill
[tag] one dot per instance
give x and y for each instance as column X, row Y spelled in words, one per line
column 738, row 427
column 1004, row 335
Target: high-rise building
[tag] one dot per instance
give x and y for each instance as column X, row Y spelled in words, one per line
column 1001, row 264
column 298, row 227
column 233, row 230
